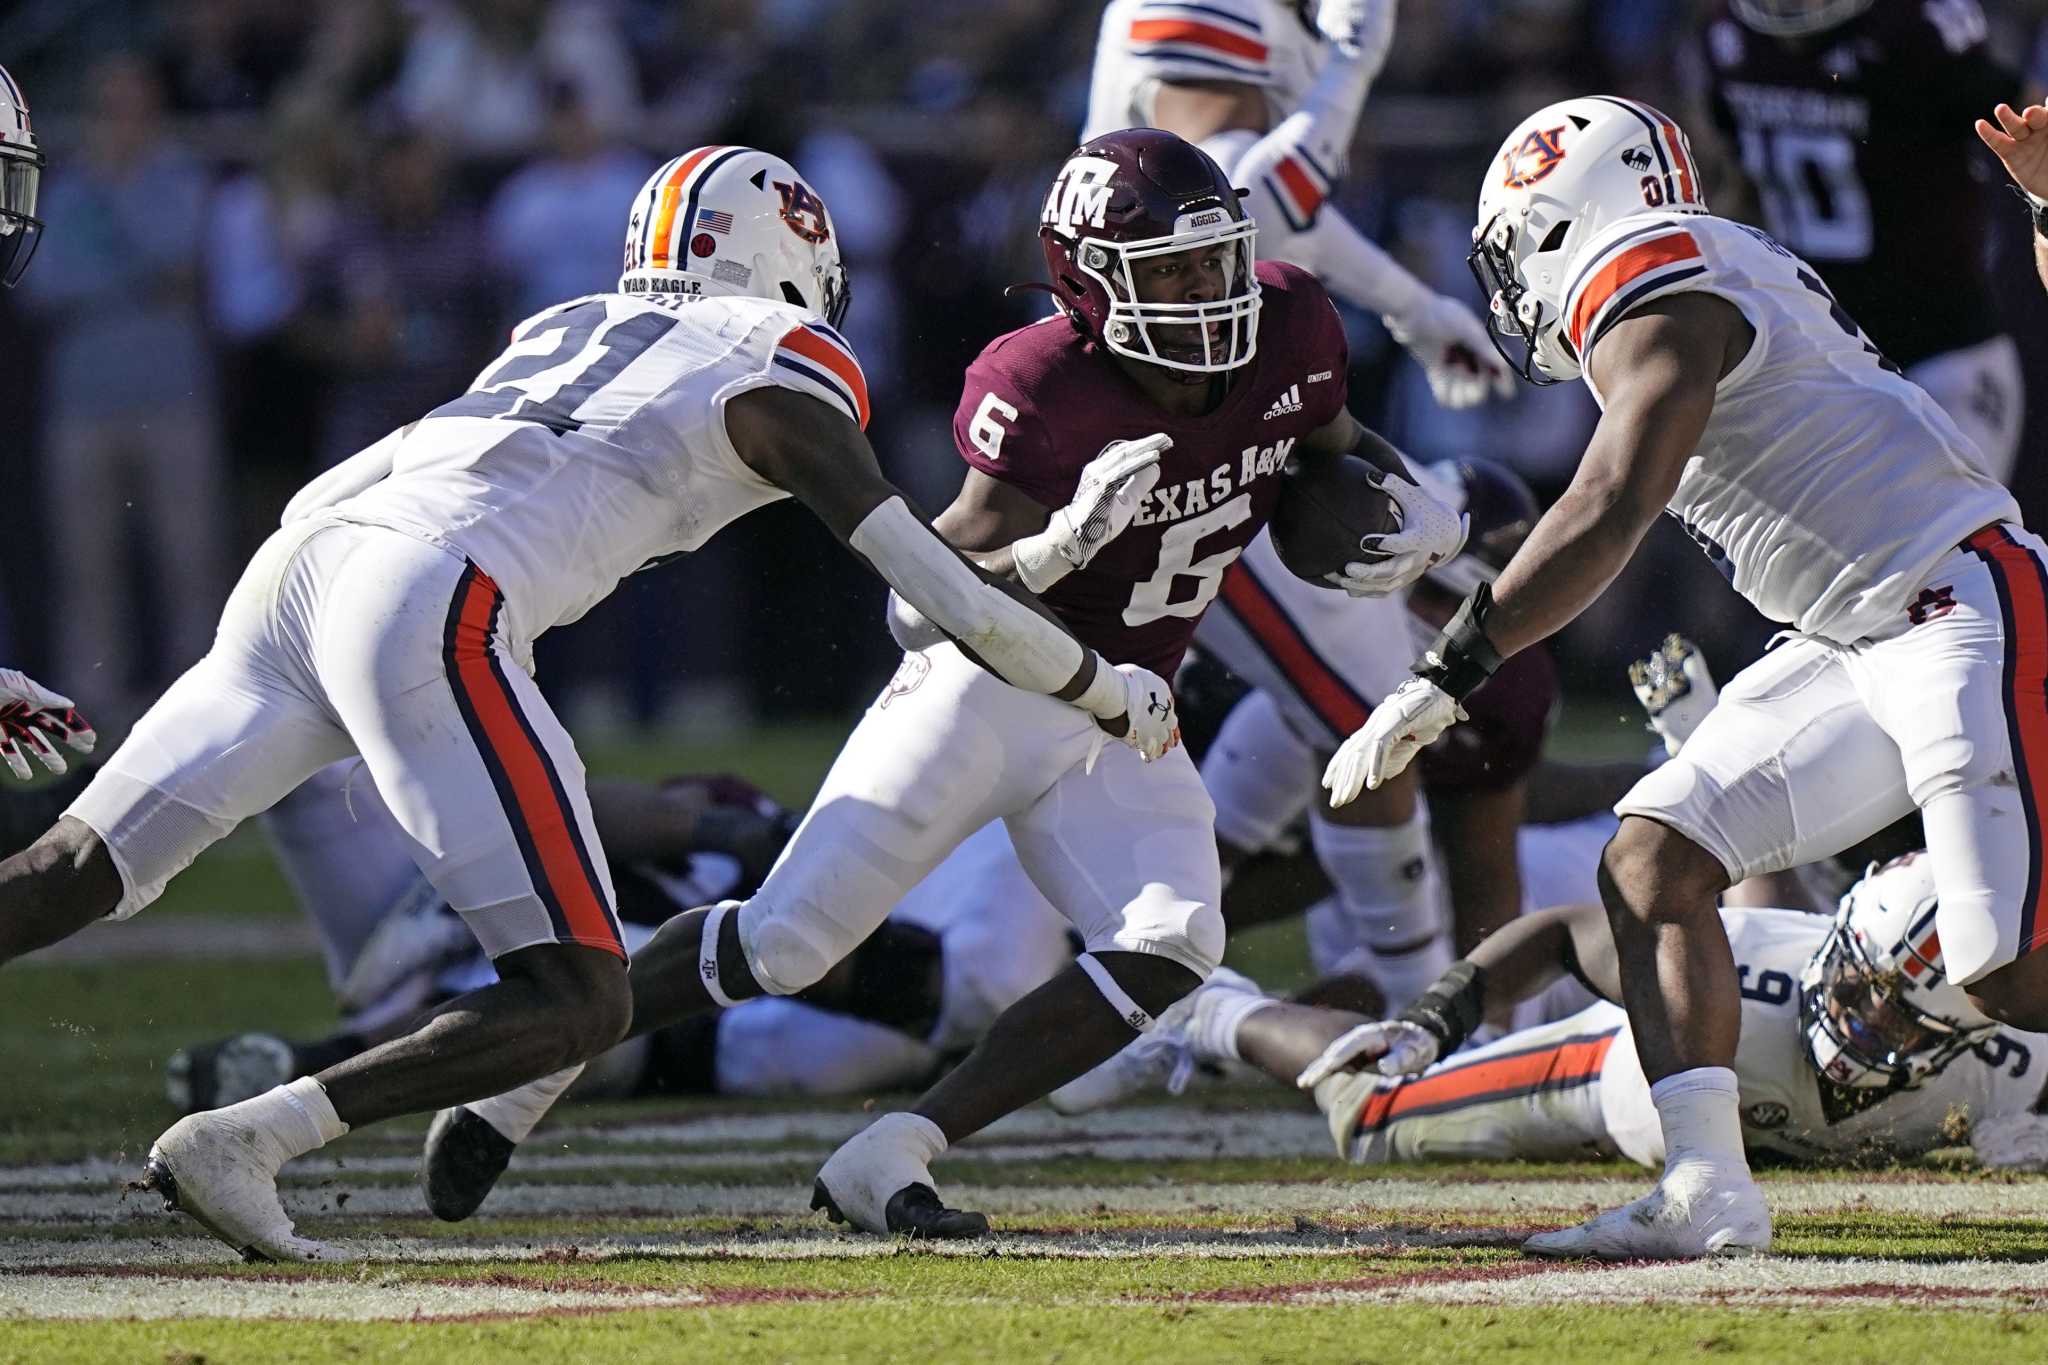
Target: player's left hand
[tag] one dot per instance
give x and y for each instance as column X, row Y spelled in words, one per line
column 2020, row 138
column 1399, row 1047
column 1154, row 723
column 1450, row 343
column 1392, row 735
column 1362, row 29
column 31, row 716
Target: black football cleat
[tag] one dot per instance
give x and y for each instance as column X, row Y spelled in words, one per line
column 914, row 1211
column 463, row 1160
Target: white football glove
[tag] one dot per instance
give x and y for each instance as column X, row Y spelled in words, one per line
column 1431, row 532
column 1113, row 486
column 1361, row 29
column 1675, row 688
column 1451, row 344
column 31, row 715
column 1398, row 1047
column 1145, row 698
column 1392, row 735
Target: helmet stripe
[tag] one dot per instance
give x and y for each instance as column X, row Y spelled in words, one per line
column 1656, row 141
column 689, row 213
column 657, row 249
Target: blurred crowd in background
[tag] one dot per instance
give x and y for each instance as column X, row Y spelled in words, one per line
column 277, row 229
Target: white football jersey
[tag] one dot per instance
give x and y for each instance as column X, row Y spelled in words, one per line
column 1826, row 486
column 1784, row 1106
column 1263, row 43
column 596, row 444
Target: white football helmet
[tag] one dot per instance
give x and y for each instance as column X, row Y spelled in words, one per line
column 732, row 220
column 1792, row 18
column 21, row 171
column 1568, row 172
column 1875, row 1002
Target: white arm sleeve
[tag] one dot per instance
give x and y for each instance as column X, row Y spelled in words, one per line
column 911, row 628
column 359, row 471
column 1024, row 648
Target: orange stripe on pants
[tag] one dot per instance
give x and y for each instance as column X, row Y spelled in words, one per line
column 1494, row 1079
column 548, row 822
column 2019, row 580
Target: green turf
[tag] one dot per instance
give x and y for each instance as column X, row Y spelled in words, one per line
column 914, row 1328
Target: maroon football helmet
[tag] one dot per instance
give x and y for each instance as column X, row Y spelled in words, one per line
column 1501, row 511
column 1135, row 195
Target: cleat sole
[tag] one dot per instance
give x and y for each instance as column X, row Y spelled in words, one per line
column 159, row 1179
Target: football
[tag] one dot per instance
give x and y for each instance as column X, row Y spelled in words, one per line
column 1326, row 509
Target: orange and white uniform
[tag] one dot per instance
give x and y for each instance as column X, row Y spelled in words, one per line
column 393, row 614
column 1262, row 43
column 1574, row 1088
column 1840, row 499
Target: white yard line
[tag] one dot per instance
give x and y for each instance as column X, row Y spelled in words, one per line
column 1377, row 1200
column 1777, row 1281
column 140, row 1296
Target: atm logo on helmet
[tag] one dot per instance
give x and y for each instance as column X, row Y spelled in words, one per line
column 1537, row 157
column 1080, row 197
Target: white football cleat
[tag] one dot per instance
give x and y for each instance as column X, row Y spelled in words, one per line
column 1166, row 1056
column 1690, row 1214
column 880, row 1181
column 223, row 1173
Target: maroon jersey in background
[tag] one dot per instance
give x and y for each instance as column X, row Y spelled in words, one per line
column 1503, row 741
column 1041, row 402
column 1858, row 140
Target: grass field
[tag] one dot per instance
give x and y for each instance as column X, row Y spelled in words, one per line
column 1213, row 1228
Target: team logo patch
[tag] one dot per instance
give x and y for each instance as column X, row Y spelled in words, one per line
column 1638, row 158
column 910, row 676
column 703, row 244
column 1537, row 157
column 1932, row 604
column 1768, row 1114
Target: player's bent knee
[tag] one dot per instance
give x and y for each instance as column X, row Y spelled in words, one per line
column 1651, row 872
column 583, row 992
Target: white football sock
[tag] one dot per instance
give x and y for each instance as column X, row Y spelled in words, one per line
column 515, row 1112
column 1387, row 888
column 1701, row 1117
column 290, row 1120
column 1218, row 1015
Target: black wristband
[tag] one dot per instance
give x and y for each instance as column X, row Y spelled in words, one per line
column 1461, row 657
column 2036, row 210
column 1452, row 1007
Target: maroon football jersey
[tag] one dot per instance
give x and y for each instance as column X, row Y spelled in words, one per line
column 1858, row 141
column 1502, row 742
column 1041, row 402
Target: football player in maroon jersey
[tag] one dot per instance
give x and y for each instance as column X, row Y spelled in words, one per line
column 1122, row 454
column 1848, row 120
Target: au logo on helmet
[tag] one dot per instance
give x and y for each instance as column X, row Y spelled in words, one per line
column 803, row 211
column 1539, row 155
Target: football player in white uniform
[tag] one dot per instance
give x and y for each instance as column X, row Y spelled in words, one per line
column 33, row 719
column 1854, row 1044
column 1274, row 96
column 393, row 615
column 2021, row 140
column 1839, row 499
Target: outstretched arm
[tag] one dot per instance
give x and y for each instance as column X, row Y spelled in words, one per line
column 1658, row 368
column 799, row 444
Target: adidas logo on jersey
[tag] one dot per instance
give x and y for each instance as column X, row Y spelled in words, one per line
column 1287, row 402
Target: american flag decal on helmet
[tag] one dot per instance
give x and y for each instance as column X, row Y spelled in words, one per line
column 711, row 220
